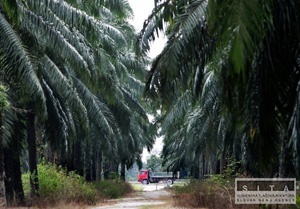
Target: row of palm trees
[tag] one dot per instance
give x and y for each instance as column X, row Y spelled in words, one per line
column 228, row 84
column 72, row 85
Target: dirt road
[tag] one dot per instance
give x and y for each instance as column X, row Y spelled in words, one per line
column 151, row 196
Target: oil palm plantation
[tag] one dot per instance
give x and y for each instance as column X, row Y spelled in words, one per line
column 71, row 65
column 256, row 46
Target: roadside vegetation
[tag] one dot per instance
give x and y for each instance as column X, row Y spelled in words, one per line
column 59, row 187
column 214, row 193
column 217, row 191
column 112, row 189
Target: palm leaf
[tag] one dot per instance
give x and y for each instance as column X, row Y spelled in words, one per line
column 246, row 22
column 178, row 111
column 63, row 87
column 97, row 111
column 20, row 61
column 41, row 29
column 59, row 122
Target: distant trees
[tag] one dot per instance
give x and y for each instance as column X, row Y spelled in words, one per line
column 74, row 84
column 154, row 163
column 228, row 84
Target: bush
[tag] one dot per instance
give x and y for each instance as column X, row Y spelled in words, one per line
column 113, row 188
column 57, row 185
column 214, row 193
column 203, row 194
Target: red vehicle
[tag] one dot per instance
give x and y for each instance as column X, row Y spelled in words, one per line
column 147, row 176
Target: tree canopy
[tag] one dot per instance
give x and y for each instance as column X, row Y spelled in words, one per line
column 227, row 81
column 75, row 87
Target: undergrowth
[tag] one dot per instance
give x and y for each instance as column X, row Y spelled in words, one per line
column 112, row 189
column 58, row 186
column 215, row 193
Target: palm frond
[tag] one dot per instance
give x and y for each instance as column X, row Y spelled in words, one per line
column 118, row 38
column 20, row 61
column 63, row 87
column 178, row 111
column 97, row 111
column 246, row 22
column 100, row 141
column 8, row 122
column 185, row 48
column 120, row 8
column 10, row 8
column 59, row 122
column 135, row 66
column 135, row 106
column 134, row 86
column 41, row 29
column 160, row 18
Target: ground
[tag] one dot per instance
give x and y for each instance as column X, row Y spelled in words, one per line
column 152, row 196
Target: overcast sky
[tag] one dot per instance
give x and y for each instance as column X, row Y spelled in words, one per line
column 141, row 10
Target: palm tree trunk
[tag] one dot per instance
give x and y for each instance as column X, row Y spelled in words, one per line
column 87, row 161
column 32, row 151
column 98, row 166
column 2, row 170
column 76, row 161
column 13, row 181
column 222, row 163
column 101, row 165
column 201, row 167
column 123, row 168
column 285, row 160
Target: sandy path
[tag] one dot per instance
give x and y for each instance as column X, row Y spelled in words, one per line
column 152, row 194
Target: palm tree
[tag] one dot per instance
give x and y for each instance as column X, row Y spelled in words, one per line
column 13, row 52
column 15, row 139
column 258, row 71
column 81, row 64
